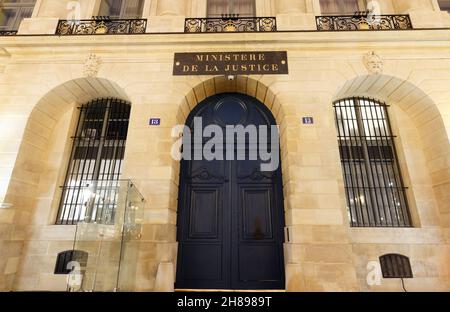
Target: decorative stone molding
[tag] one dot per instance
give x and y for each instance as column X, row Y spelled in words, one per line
column 373, row 62
column 91, row 65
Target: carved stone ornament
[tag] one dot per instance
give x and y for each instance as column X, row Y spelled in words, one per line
column 91, row 65
column 373, row 62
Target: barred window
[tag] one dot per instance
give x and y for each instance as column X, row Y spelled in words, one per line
column 90, row 190
column 12, row 12
column 444, row 5
column 342, row 6
column 243, row 8
column 373, row 182
column 126, row 9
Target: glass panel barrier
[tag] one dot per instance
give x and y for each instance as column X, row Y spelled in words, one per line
column 111, row 240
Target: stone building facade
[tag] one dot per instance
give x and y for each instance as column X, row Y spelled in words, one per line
column 45, row 76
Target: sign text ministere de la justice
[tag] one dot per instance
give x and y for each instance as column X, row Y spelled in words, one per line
column 230, row 63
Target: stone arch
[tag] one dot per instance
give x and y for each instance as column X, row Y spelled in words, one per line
column 39, row 168
column 420, row 114
column 43, row 120
column 193, row 91
column 250, row 85
column 206, row 87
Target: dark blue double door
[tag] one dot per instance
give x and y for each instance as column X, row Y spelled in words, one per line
column 230, row 213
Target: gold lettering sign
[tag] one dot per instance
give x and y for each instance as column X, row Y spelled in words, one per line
column 231, row 63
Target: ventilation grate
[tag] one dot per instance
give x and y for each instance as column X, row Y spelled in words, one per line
column 65, row 257
column 395, row 266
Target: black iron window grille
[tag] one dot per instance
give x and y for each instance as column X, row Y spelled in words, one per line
column 363, row 21
column 92, row 182
column 12, row 12
column 101, row 25
column 395, row 266
column 376, row 194
column 230, row 23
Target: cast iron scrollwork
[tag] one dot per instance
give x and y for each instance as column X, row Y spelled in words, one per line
column 8, row 32
column 231, row 24
column 257, row 175
column 363, row 22
column 101, row 26
column 204, row 174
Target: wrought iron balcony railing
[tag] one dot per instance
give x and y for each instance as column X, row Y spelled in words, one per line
column 230, row 24
column 363, row 21
column 8, row 32
column 102, row 25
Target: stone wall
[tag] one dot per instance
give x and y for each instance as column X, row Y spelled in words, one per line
column 45, row 79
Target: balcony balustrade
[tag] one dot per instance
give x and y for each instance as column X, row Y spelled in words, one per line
column 8, row 32
column 101, row 26
column 363, row 21
column 230, row 23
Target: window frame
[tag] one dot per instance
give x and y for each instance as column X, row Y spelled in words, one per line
column 208, row 5
column 18, row 7
column 373, row 199
column 99, row 169
column 362, row 5
column 123, row 7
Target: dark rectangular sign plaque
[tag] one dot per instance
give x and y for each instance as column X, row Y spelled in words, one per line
column 231, row 63
column 155, row 122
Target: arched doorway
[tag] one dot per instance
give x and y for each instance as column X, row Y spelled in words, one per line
column 230, row 210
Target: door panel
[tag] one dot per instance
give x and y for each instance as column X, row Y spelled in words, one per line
column 258, row 254
column 230, row 214
column 200, row 233
column 205, row 262
column 259, row 263
column 204, row 213
column 256, row 214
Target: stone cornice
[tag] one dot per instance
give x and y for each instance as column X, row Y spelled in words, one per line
column 336, row 37
column 416, row 44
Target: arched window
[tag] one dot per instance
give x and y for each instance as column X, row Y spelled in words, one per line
column 126, row 9
column 373, row 180
column 243, row 8
column 95, row 167
column 12, row 12
column 342, row 7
